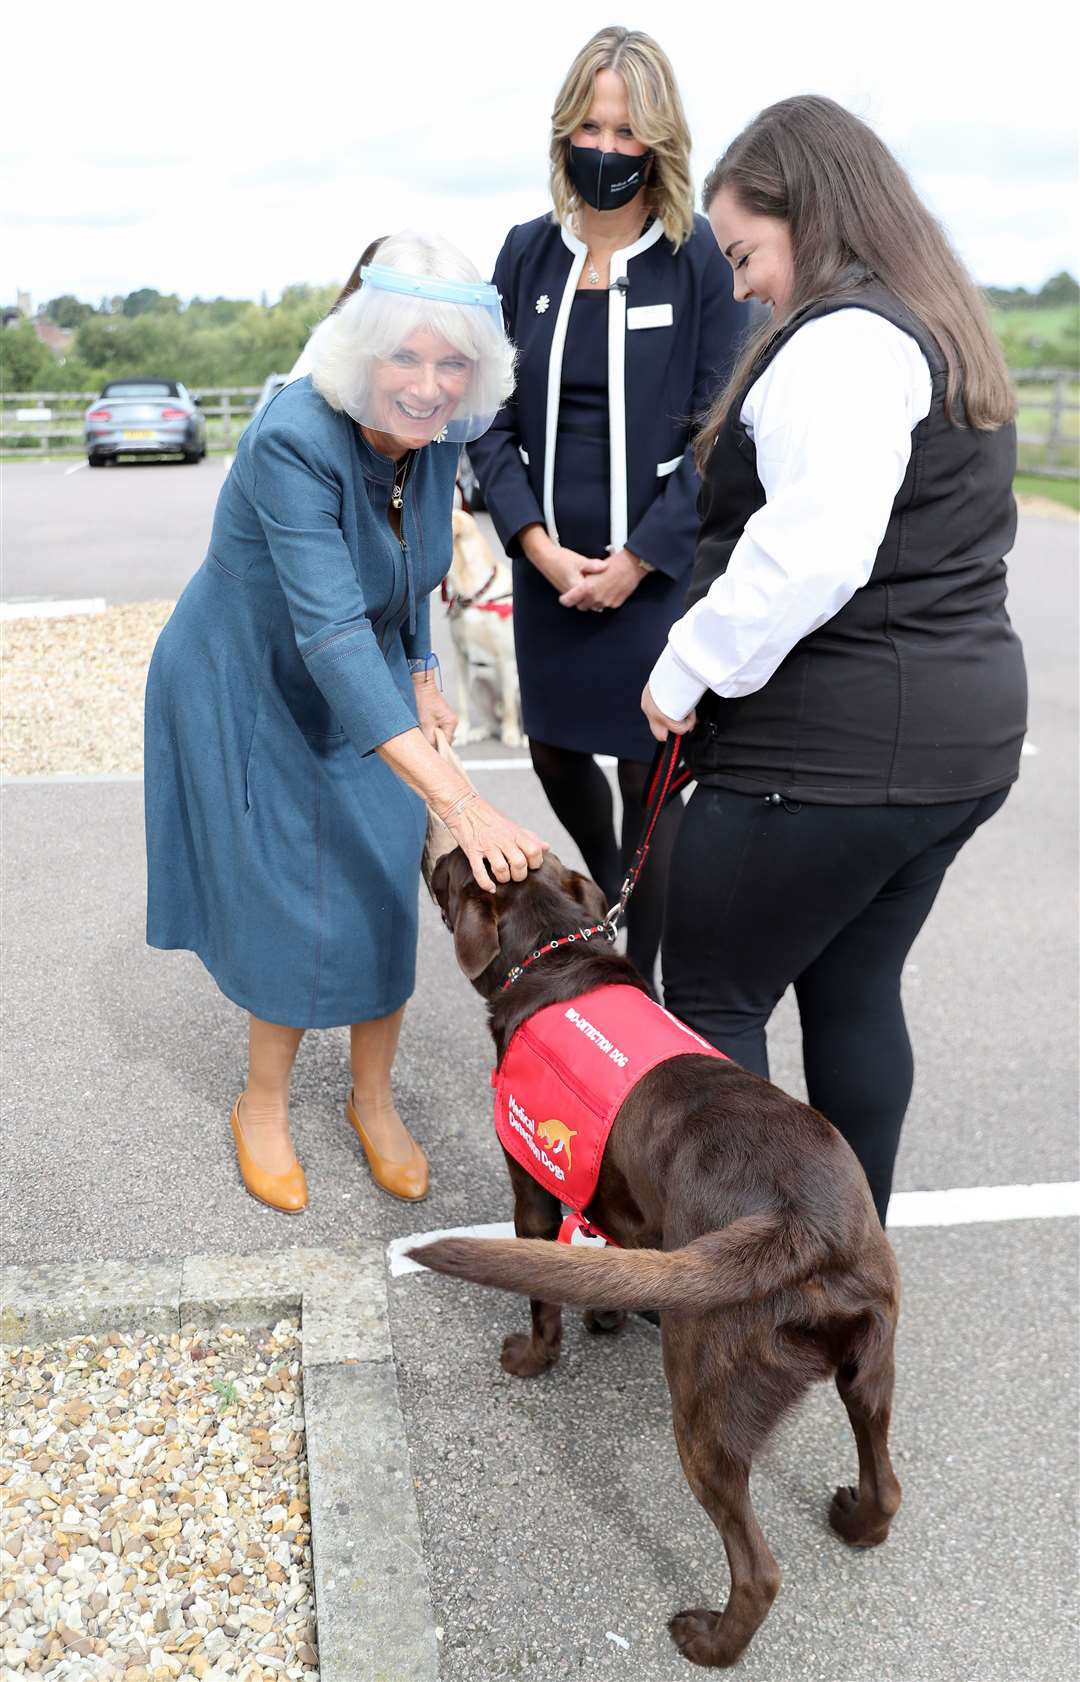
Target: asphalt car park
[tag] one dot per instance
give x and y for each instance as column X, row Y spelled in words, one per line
column 558, row 1531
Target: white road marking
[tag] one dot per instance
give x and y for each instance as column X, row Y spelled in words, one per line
column 51, row 609
column 959, row 1206
column 1029, row 748
column 79, row 465
column 519, row 764
column 399, row 1263
column 72, row 777
column 964, row 1205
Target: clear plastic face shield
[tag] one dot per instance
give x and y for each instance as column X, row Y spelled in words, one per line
column 433, row 360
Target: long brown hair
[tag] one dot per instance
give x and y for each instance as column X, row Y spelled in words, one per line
column 852, row 214
column 656, row 117
column 354, row 283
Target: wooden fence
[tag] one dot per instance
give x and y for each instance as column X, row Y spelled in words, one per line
column 1059, row 443
column 39, row 422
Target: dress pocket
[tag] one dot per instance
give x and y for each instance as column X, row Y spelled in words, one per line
column 250, row 759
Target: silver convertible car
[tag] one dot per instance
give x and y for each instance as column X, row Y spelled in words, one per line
column 140, row 417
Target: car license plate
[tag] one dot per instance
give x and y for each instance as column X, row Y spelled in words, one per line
column 138, row 434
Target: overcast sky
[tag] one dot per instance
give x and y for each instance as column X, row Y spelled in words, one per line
column 237, row 148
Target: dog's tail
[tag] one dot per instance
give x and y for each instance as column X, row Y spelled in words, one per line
column 753, row 1258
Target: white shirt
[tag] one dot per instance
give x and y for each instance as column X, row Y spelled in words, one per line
column 831, row 419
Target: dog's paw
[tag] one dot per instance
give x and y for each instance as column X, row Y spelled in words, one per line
column 511, row 737
column 603, row 1320
column 522, row 1358
column 697, row 1636
column 860, row 1526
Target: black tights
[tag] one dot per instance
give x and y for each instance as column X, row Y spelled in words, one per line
column 580, row 797
column 828, row 899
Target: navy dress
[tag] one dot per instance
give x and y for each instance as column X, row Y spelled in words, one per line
column 280, row 848
column 594, row 445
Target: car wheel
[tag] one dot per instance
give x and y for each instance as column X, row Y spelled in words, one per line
column 191, row 456
column 96, row 461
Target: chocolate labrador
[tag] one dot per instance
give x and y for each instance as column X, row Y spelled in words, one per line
column 741, row 1215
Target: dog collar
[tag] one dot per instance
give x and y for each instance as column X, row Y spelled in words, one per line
column 606, row 930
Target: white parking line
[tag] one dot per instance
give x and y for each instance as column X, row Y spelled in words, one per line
column 520, row 764
column 960, row 1206
column 51, row 609
column 399, row 1263
column 79, row 465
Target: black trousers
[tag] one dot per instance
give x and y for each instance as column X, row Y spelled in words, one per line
column 762, row 896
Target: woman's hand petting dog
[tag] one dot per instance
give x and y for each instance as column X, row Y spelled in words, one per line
column 433, row 710
column 492, row 842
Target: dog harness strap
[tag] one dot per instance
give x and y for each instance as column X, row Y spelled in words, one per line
column 566, row 1074
column 576, row 1230
column 458, row 604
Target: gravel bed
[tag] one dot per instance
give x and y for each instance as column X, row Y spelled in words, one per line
column 155, row 1516
column 73, row 690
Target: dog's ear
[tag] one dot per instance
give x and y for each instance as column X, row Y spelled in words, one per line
column 476, row 931
column 587, row 894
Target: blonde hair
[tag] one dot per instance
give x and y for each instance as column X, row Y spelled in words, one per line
column 853, row 215
column 370, row 324
column 656, row 117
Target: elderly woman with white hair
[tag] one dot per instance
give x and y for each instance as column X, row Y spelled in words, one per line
column 292, row 703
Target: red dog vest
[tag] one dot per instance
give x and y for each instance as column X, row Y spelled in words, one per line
column 565, row 1075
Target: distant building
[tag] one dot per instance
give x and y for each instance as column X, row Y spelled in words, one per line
column 57, row 338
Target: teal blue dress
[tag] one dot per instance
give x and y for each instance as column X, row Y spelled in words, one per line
column 280, row 848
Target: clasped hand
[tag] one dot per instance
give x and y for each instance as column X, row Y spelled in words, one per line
column 602, row 583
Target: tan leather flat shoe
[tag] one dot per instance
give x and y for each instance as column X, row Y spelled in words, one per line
column 407, row 1180
column 285, row 1192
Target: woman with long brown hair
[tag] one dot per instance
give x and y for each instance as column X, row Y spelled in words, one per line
column 851, row 690
column 621, row 309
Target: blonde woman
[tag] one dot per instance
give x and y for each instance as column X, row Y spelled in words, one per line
column 620, row 304
column 291, row 704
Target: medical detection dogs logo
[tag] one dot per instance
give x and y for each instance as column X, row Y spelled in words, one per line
column 553, row 1133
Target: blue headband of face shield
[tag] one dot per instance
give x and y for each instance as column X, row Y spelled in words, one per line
column 427, row 286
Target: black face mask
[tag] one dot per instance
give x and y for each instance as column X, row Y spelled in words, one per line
column 606, row 180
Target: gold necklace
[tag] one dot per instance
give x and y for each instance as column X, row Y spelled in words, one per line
column 397, row 495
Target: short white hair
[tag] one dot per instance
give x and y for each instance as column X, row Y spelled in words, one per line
column 373, row 323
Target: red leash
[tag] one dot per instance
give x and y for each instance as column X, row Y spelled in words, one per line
column 667, row 776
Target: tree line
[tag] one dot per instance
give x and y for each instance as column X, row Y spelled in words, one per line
column 235, row 341
column 207, row 342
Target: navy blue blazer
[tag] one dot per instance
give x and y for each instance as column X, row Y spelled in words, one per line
column 673, row 333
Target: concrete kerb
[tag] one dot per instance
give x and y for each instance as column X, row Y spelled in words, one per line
column 373, row 1607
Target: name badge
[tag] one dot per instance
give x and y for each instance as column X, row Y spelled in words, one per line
column 650, row 315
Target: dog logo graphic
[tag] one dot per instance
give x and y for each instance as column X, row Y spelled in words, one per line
column 558, row 1136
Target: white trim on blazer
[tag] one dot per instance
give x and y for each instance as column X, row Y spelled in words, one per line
column 558, row 341
column 620, row 513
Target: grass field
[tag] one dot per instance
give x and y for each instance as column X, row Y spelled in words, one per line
column 1039, row 338
column 1064, row 491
